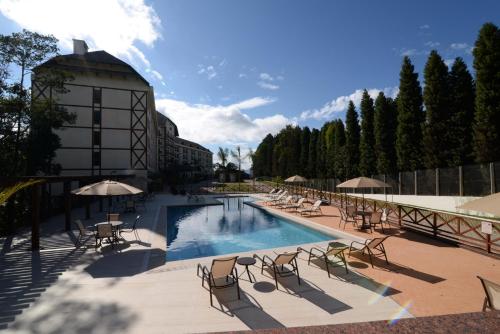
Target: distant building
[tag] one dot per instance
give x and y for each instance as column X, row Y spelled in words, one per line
column 173, row 151
column 115, row 128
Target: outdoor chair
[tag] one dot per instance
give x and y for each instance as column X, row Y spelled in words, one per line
column 492, row 291
column 345, row 218
column 129, row 206
column 298, row 205
column 131, row 229
column 276, row 194
column 222, row 274
column 376, row 219
column 288, row 200
column 112, row 217
column 83, row 232
column 279, row 263
column 373, row 247
column 278, row 199
column 334, row 255
column 315, row 208
column 104, row 231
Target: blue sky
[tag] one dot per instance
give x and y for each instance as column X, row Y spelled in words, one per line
column 228, row 72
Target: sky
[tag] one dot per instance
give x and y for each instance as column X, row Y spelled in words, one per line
column 230, row 72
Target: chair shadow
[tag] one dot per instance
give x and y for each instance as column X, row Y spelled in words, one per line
column 310, row 292
column 129, row 263
column 398, row 268
column 247, row 309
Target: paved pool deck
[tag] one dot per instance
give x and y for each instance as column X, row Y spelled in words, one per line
column 131, row 289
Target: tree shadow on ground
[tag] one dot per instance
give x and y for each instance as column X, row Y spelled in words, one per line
column 78, row 317
column 129, row 263
column 26, row 275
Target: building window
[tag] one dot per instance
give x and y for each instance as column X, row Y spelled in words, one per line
column 97, row 116
column 97, row 95
column 96, row 158
column 97, row 138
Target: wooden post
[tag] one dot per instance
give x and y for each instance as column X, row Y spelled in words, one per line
column 399, row 215
column 399, row 183
column 67, row 205
column 434, row 224
column 460, row 181
column 415, row 182
column 35, row 217
column 488, row 243
column 492, row 178
column 437, row 181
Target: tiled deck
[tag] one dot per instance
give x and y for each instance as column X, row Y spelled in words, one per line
column 131, row 289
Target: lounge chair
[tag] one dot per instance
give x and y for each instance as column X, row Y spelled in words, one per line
column 104, row 231
column 333, row 255
column 288, row 200
column 376, row 219
column 222, row 274
column 278, row 199
column 492, row 291
column 299, row 204
column 131, row 229
column 373, row 247
column 315, row 208
column 276, row 194
column 345, row 218
column 279, row 263
column 84, row 232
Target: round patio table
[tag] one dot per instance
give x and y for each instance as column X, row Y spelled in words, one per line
column 115, row 224
column 364, row 214
column 246, row 261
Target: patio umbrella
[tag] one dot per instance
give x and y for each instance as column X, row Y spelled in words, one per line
column 106, row 188
column 363, row 183
column 296, row 179
column 488, row 204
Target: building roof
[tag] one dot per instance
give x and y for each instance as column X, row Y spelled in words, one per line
column 87, row 62
column 162, row 118
column 192, row 144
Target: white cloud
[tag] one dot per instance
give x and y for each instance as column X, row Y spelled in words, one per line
column 242, row 75
column 266, row 76
column 117, row 26
column 425, row 26
column 156, row 75
column 340, row 103
column 459, row 46
column 449, row 62
column 209, row 71
column 432, row 44
column 217, row 124
column 412, row 52
column 267, row 85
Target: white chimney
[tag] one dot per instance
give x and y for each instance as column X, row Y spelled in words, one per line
column 79, row 47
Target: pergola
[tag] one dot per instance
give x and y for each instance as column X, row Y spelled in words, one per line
column 35, row 183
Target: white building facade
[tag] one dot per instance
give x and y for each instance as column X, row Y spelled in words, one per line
column 116, row 128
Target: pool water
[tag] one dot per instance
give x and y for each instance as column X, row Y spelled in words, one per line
column 233, row 227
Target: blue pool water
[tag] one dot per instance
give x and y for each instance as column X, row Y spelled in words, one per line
column 194, row 231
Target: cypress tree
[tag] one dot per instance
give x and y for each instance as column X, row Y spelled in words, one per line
column 330, row 149
column 385, row 124
column 410, row 117
column 487, row 111
column 339, row 146
column 313, row 144
column 462, row 110
column 436, row 128
column 304, row 151
column 321, row 152
column 352, row 142
column 367, row 165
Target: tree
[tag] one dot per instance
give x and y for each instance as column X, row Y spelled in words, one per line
column 27, row 141
column 462, row 109
column 236, row 154
column 352, row 142
column 487, row 111
column 385, row 124
column 313, row 145
column 305, row 136
column 330, row 149
column 367, row 165
column 437, row 139
column 339, row 148
column 410, row 117
column 223, row 155
column 321, row 152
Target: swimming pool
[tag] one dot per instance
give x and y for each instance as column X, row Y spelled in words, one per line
column 233, row 227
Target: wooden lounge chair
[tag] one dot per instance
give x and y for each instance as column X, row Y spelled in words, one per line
column 279, row 263
column 288, row 200
column 278, row 199
column 83, row 232
column 492, row 291
column 298, row 205
column 315, row 208
column 373, row 247
column 334, row 255
column 131, row 229
column 104, row 231
column 376, row 219
column 222, row 274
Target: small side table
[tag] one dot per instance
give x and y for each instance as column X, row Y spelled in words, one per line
column 246, row 261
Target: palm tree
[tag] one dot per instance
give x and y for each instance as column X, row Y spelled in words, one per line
column 223, row 155
column 237, row 155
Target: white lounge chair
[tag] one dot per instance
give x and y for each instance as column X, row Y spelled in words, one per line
column 298, row 205
column 315, row 208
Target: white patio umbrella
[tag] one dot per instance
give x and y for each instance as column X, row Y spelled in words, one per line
column 107, row 188
column 488, row 204
column 363, row 183
column 296, row 179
